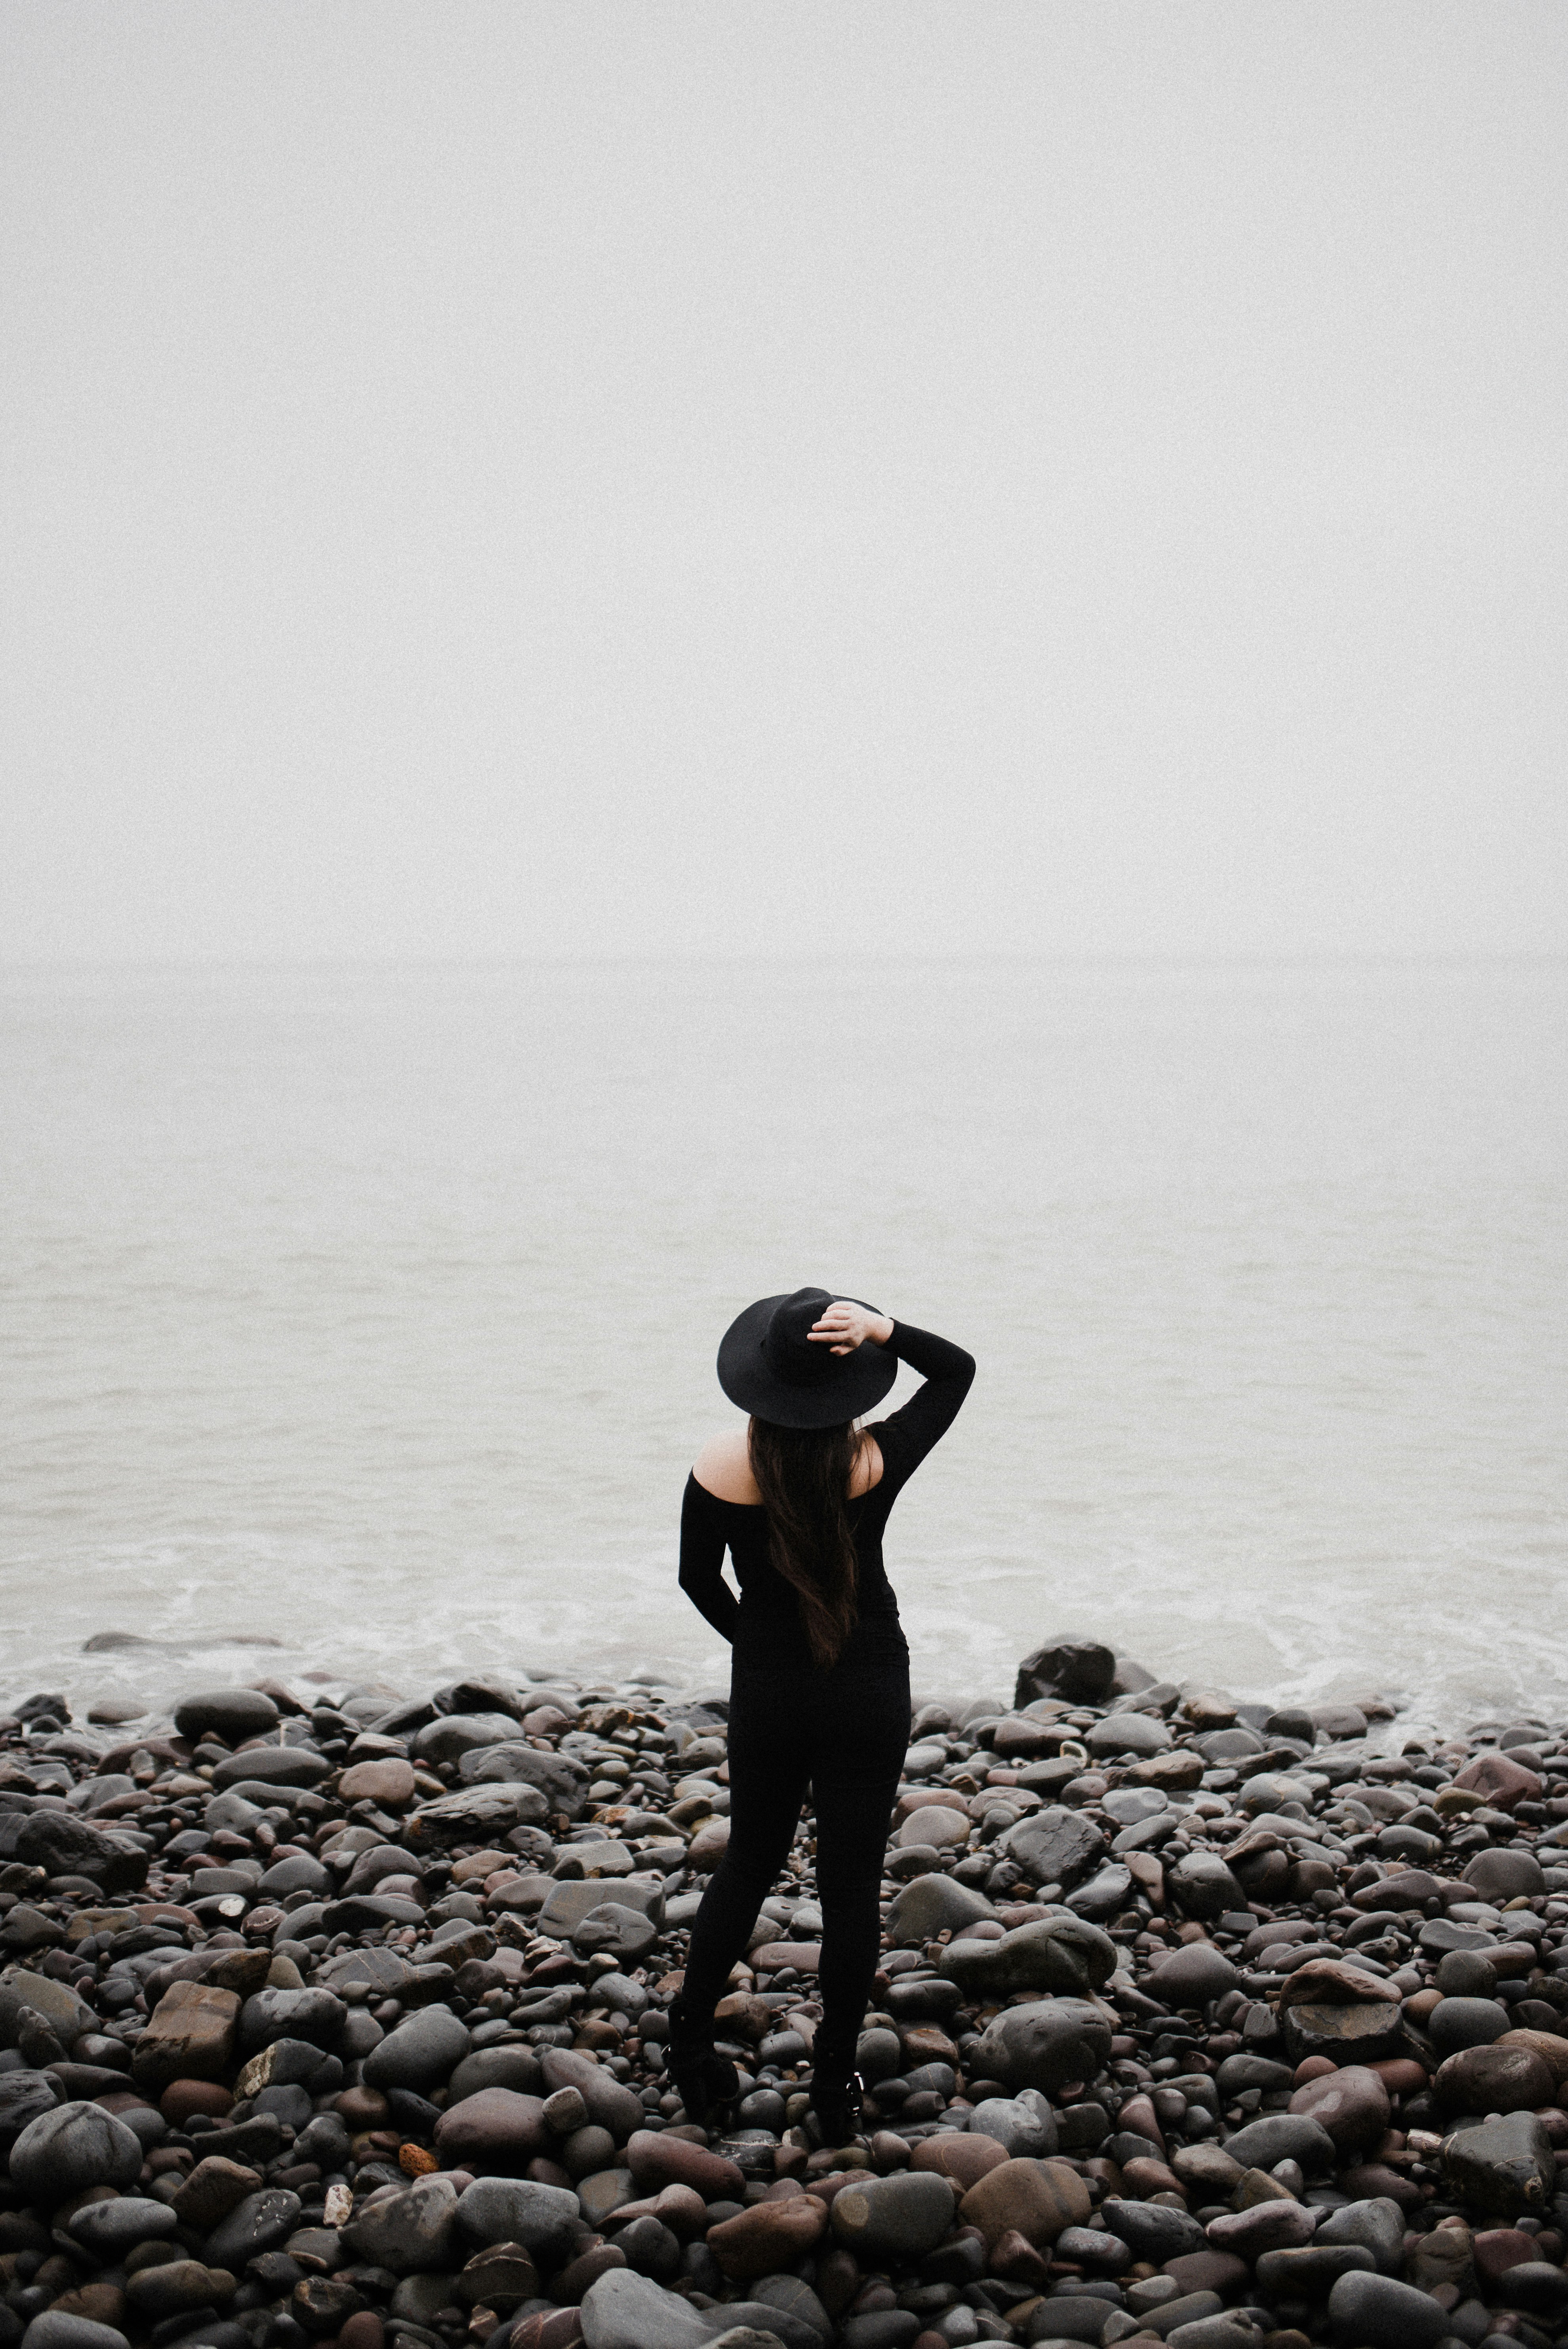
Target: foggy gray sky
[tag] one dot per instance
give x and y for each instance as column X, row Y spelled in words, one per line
column 520, row 479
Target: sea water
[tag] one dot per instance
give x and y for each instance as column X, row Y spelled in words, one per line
column 373, row 1310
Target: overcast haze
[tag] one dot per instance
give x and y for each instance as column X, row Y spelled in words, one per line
column 518, row 480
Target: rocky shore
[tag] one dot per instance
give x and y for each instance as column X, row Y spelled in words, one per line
column 332, row 2017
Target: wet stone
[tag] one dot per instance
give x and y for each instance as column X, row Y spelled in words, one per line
column 419, row 2053
column 769, row 2237
column 1492, row 2080
column 316, row 2015
column 1505, row 2166
column 1381, row 2314
column 1203, row 1886
column 1054, row 1844
column 257, row 2224
column 55, row 2330
column 495, row 2130
column 896, row 2218
column 1194, row 1976
column 78, row 2145
column 1465, row 1975
column 542, row 2219
column 625, row 2311
column 1377, row 2223
column 109, row 2229
column 1310, row 2272
column 1456, row 2023
column 1037, row 2199
column 1152, row 2231
column 231, row 1714
column 1265, row 2227
column 1019, row 2124
column 175, row 2287
column 1043, row 2045
column 1539, row 2287
column 1057, row 1954
column 190, row 2036
column 1351, row 2106
column 24, row 2096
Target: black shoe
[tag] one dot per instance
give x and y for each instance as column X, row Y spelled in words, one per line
column 704, row 2079
column 837, row 2095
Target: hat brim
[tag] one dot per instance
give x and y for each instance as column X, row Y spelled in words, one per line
column 854, row 1385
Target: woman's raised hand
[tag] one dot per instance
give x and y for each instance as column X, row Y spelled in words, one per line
column 846, row 1325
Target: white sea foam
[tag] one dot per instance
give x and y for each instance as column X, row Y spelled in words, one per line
column 374, row 1310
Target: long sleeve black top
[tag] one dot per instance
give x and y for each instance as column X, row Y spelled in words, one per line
column 764, row 1623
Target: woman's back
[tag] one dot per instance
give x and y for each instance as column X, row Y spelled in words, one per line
column 723, row 1510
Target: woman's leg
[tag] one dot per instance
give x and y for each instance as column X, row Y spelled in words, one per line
column 768, row 1769
column 854, row 1786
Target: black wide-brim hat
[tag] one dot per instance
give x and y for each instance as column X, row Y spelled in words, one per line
column 770, row 1366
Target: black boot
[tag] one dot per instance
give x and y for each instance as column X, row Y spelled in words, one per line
column 703, row 2078
column 837, row 2091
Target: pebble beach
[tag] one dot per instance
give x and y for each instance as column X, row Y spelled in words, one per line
column 335, row 2014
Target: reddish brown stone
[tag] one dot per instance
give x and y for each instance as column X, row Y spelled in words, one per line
column 363, row 2330
column 182, row 2099
column 124, row 2100
column 389, row 1781
column 561, row 2329
column 1497, row 2248
column 498, row 2129
column 1138, row 2115
column 708, row 1847
column 1220, row 2272
column 804, row 1956
column 1500, row 1781
column 587, row 2268
column 100, row 2303
column 1351, row 2104
column 545, row 2172
column 1332, row 1981
column 1401, row 2074
column 362, row 2108
column 926, row 2042
column 545, row 1721
column 1034, row 2199
column 659, row 2157
column 1369, row 2179
column 682, row 2210
column 838, row 2280
column 501, row 2276
column 1015, row 2260
column 1492, row 2080
column 1144, row 2175
column 214, row 2188
column 767, row 2237
column 190, row 2036
column 1551, row 2050
column 1178, row 1772
column 934, row 1823
column 965, row 2158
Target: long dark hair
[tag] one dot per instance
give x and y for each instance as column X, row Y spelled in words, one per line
column 803, row 1475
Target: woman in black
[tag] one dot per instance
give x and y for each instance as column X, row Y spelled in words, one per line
column 820, row 1678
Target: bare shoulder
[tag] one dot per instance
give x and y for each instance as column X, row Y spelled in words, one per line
column 724, row 1469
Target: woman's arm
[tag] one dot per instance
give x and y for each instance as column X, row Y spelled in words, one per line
column 948, row 1372
column 703, row 1540
column 909, row 1434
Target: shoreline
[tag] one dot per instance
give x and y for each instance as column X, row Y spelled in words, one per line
column 1192, row 2014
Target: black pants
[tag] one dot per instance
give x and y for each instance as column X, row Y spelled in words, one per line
column 843, row 1733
